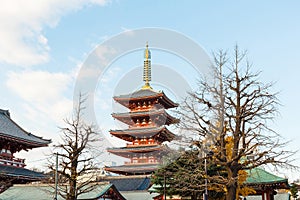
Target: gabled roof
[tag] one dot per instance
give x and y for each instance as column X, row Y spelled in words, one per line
column 144, row 195
column 46, row 192
column 20, row 174
column 128, row 183
column 147, row 132
column 10, row 130
column 145, row 94
column 258, row 176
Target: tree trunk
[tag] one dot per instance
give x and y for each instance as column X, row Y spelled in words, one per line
column 72, row 182
column 232, row 186
column 72, row 191
column 193, row 196
column 231, row 192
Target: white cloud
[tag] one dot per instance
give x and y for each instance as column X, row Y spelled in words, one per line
column 21, row 28
column 38, row 86
column 43, row 92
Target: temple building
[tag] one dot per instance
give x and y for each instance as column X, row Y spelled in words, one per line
column 13, row 139
column 147, row 130
column 265, row 184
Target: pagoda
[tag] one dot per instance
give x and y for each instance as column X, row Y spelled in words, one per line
column 147, row 130
column 13, row 139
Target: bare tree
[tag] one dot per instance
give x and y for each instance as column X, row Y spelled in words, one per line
column 235, row 106
column 76, row 155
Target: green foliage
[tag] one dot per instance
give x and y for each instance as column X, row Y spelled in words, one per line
column 186, row 177
column 294, row 191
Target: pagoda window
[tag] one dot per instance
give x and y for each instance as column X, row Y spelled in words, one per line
column 144, row 105
column 139, row 105
column 144, row 141
column 150, row 141
column 144, row 123
column 6, row 151
column 136, row 142
column 138, row 122
column 143, row 159
column 151, row 159
column 149, row 104
column 135, row 160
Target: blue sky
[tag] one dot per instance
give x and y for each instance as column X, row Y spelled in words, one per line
column 44, row 44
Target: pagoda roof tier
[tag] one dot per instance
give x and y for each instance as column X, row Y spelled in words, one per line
column 10, row 130
column 159, row 116
column 137, row 149
column 137, row 169
column 145, row 94
column 159, row 134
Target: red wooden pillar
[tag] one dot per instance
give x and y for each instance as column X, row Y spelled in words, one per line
column 268, row 195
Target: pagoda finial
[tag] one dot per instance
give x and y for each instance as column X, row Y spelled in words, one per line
column 147, row 68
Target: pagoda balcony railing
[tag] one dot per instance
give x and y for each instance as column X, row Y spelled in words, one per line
column 141, row 163
column 141, row 145
column 16, row 162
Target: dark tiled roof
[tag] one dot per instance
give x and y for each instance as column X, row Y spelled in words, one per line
column 145, row 94
column 140, row 93
column 141, row 113
column 129, row 183
column 141, row 130
column 46, row 192
column 143, row 195
column 168, row 119
column 136, row 149
column 11, row 130
column 133, row 169
column 21, row 173
column 144, row 133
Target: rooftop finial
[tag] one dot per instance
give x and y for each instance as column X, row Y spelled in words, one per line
column 147, row 68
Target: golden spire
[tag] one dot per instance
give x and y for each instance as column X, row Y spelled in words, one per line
column 147, row 68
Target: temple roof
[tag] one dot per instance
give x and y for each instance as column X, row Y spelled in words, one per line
column 128, row 183
column 137, row 149
column 128, row 117
column 258, row 176
column 142, row 93
column 133, row 169
column 10, row 130
column 145, row 94
column 46, row 192
column 20, row 174
column 144, row 132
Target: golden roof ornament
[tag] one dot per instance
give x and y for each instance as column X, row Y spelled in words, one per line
column 147, row 68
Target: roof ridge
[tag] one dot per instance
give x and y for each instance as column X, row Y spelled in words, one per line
column 5, row 112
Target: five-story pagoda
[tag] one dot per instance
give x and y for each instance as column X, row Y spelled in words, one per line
column 147, row 120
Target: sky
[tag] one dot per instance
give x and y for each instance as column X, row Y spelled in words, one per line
column 44, row 45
